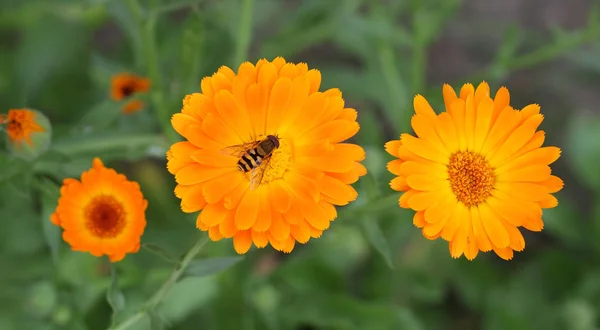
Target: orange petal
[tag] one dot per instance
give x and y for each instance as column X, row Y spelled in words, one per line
column 279, row 101
column 213, row 214
column 536, row 173
column 481, row 237
column 548, row 202
column 426, row 183
column 265, row 212
column 197, row 173
column 422, row 148
column 419, row 219
column 504, row 253
column 523, row 190
column 256, row 105
column 233, row 114
column 422, row 107
column 242, row 241
column 300, row 232
column 553, row 183
column 280, row 229
column 247, row 211
column 227, row 227
column 493, row 226
column 391, row 147
column 449, row 96
column 424, row 129
column 260, row 239
column 517, row 139
column 337, row 190
column 482, row 123
column 534, row 224
column 399, row 184
column 216, row 189
column 193, row 200
column 541, row 156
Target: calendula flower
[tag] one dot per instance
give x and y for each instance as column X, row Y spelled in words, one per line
column 264, row 158
column 125, row 85
column 475, row 173
column 21, row 124
column 103, row 214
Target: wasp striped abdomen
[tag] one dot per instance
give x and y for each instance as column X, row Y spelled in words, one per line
column 251, row 159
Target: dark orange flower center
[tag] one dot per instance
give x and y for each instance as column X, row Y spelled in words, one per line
column 105, row 217
column 471, row 177
column 127, row 90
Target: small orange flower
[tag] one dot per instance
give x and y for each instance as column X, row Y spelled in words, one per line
column 477, row 172
column 264, row 158
column 125, row 85
column 103, row 214
column 21, row 124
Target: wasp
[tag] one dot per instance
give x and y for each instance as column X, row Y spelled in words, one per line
column 254, row 157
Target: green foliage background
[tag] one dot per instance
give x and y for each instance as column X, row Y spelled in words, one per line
column 372, row 270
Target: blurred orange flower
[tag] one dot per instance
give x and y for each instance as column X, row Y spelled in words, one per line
column 475, row 173
column 125, row 85
column 103, row 214
column 264, row 158
column 20, row 125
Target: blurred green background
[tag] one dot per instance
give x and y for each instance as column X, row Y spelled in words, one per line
column 372, row 270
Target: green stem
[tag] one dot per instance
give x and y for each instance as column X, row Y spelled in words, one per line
column 150, row 51
column 189, row 256
column 130, row 321
column 166, row 287
column 107, row 143
column 396, row 88
column 244, row 32
column 541, row 55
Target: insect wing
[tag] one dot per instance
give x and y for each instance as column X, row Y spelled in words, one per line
column 257, row 173
column 239, row 150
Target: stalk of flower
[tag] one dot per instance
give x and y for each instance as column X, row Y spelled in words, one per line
column 126, row 85
column 475, row 173
column 264, row 159
column 103, row 213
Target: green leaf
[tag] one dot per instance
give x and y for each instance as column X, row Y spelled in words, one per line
column 60, row 41
column 157, row 322
column 583, row 148
column 49, row 197
column 375, row 236
column 186, row 296
column 100, row 116
column 160, row 251
column 122, row 145
column 114, row 296
column 210, row 266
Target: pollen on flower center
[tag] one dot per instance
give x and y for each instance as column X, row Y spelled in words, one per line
column 104, row 217
column 280, row 162
column 471, row 177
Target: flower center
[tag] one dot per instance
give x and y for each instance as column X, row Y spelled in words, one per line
column 471, row 177
column 127, row 90
column 104, row 217
column 280, row 162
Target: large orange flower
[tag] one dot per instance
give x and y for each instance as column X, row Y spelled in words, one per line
column 20, row 125
column 125, row 85
column 309, row 171
column 475, row 173
column 103, row 214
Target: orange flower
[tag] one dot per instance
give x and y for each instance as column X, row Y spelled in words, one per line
column 102, row 214
column 305, row 170
column 21, row 124
column 125, row 85
column 475, row 173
